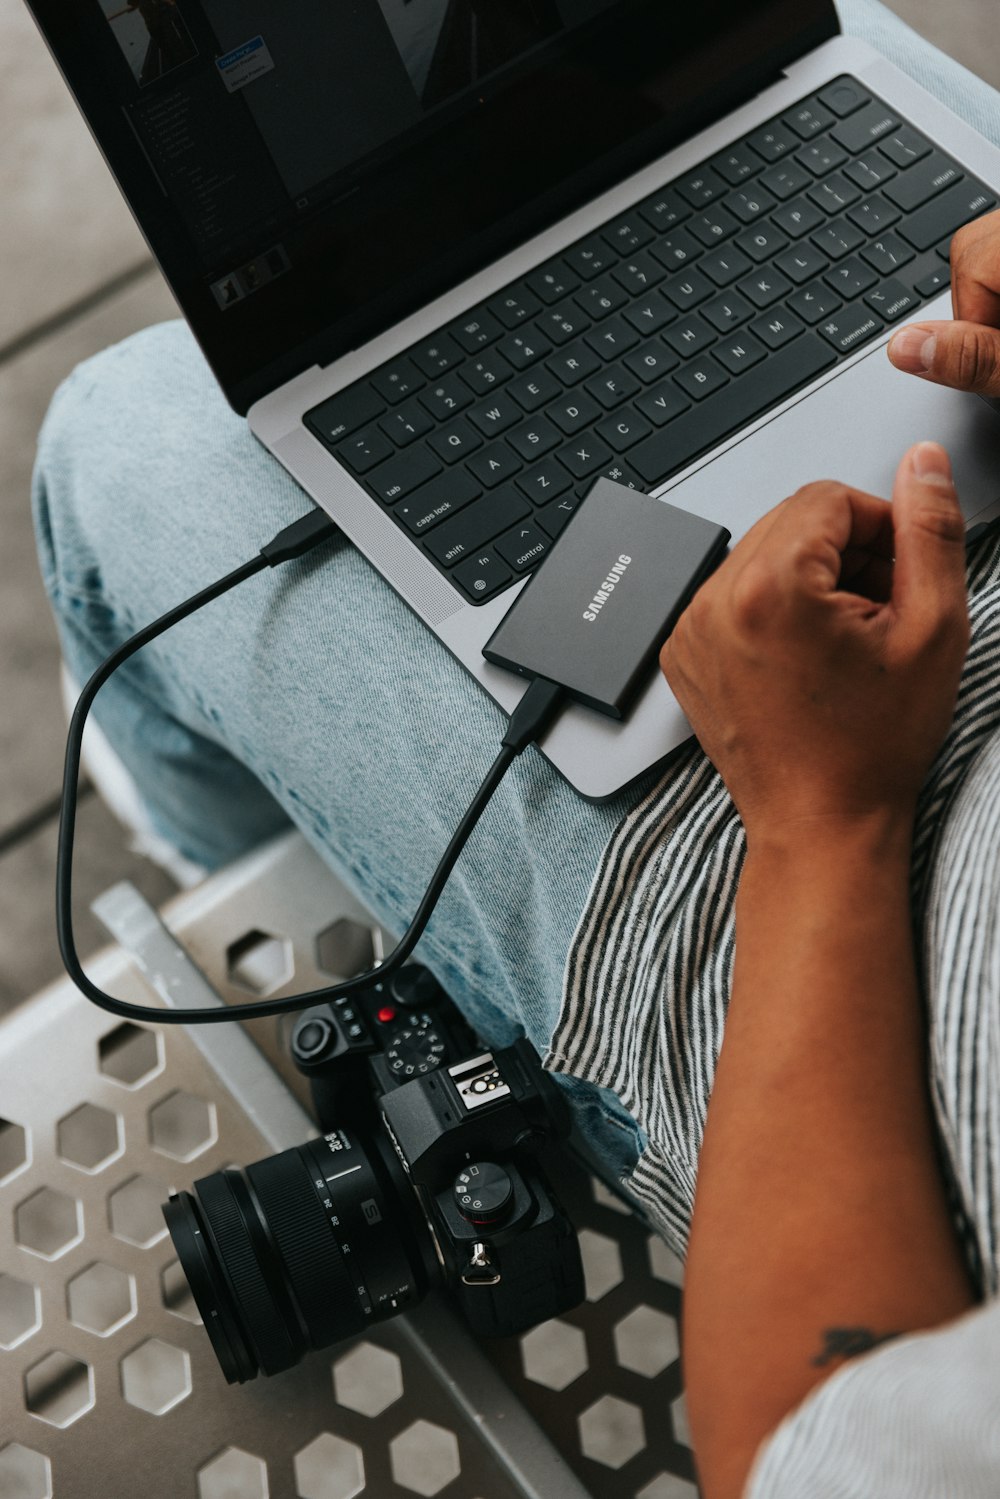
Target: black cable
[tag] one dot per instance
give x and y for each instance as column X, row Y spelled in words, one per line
column 528, row 722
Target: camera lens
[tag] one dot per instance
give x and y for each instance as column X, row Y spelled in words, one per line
column 300, row 1250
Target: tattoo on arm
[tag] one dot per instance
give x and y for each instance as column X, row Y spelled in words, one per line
column 848, row 1342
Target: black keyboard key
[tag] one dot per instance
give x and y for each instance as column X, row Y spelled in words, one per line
column 873, row 216
column 778, row 328
column 650, row 314
column 590, row 258
column 785, row 180
column 395, row 381
column 808, row 120
column 628, row 234
column 727, row 311
column 623, row 430
column 494, row 465
column 934, row 282
column 403, row 473
column 483, row 575
column 740, row 353
column 613, row 386
column 725, row 265
column 838, row 239
column 495, row 416
column 524, row 546
column 664, row 210
column 821, row 158
column 713, row 227
column 708, row 423
column 905, row 146
column 701, row 187
column 915, row 188
column 364, row 449
column 843, row 97
column 600, row 298
column 476, row 331
column 690, row 336
column 814, row 301
column 866, row 127
column 892, row 300
column 406, row 423
column 887, row 254
column 534, row 390
column 457, row 440
column 834, row 194
column 773, row 141
column 434, row 502
column 850, row 327
column 870, row 171
column 554, row 516
column 750, row 204
column 584, row 456
column 533, row 439
column 687, row 290
column 663, row 403
column 446, row 397
column 436, row 355
column 514, row 307
column 544, row 482
column 619, row 473
column 940, row 218
column 798, row 217
column 563, row 323
column 701, row 378
column 651, row 362
column 762, row 242
column 484, row 374
column 638, row 274
column 344, row 413
column 573, row 412
column 764, row 287
column 738, row 165
column 552, row 283
column 523, row 349
column 612, row 339
column 850, row 278
column 801, row 263
column 676, row 249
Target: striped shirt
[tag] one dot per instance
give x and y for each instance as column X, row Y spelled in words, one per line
column 644, row 1004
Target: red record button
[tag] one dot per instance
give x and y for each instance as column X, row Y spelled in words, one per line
column 387, row 1013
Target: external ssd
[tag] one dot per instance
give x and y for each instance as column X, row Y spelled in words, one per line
column 607, row 596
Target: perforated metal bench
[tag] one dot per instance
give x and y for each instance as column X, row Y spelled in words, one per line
column 108, row 1385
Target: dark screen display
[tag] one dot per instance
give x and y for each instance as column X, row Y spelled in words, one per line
column 307, row 174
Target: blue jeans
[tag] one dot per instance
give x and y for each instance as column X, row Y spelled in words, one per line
column 313, row 694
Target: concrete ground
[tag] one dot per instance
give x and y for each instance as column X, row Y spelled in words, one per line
column 76, row 276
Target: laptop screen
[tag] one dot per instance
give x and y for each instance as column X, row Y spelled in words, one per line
column 308, row 173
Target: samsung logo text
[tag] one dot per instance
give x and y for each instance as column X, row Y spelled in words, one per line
column 606, row 589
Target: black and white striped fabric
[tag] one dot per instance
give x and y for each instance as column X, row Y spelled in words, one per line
column 644, row 1005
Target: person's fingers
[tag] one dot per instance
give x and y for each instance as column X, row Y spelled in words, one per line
column 965, row 356
column 929, row 571
column 975, row 272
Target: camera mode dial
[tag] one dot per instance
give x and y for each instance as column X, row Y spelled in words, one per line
column 483, row 1192
column 414, row 1047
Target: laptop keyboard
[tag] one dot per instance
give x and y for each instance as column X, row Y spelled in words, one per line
column 649, row 341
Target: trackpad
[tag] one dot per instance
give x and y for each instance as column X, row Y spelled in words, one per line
column 855, row 428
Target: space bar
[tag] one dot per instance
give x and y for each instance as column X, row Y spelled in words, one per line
column 729, row 409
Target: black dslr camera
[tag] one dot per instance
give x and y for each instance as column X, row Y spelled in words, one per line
column 426, row 1174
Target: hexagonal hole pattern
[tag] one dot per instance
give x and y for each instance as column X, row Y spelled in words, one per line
column 602, row 1263
column 134, row 1211
column 646, row 1341
column 20, row 1312
column 679, row 1417
column 13, row 1148
column 329, row 1468
column 424, row 1458
column 48, row 1223
column 90, row 1137
column 260, row 962
column 234, row 1474
column 368, row 1379
column 24, row 1473
column 130, row 1054
column 59, row 1389
column 668, row 1486
column 554, row 1354
column 101, row 1299
column 345, row 948
column 604, row 1196
column 182, row 1126
column 175, row 1293
column 156, row 1376
column 663, row 1263
column 611, row 1431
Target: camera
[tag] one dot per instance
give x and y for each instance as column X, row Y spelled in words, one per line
column 426, row 1174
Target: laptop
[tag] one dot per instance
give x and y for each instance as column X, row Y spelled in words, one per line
column 456, row 259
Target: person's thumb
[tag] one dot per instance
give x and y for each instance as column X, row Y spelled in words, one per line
column 965, row 356
column 928, row 538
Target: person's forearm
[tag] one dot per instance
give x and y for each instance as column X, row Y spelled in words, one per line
column 820, row 1219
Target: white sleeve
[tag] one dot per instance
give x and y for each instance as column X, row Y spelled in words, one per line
column 918, row 1418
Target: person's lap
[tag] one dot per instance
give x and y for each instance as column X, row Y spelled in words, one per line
column 313, row 693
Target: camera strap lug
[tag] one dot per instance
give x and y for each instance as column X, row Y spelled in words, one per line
column 480, row 1271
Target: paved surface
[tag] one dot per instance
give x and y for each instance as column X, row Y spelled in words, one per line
column 76, row 276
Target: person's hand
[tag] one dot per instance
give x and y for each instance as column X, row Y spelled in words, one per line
column 966, row 353
column 819, row 665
